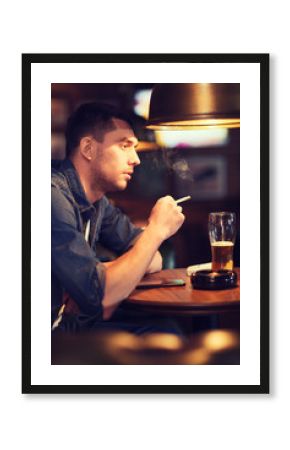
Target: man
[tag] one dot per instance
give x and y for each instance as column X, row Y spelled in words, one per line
column 101, row 158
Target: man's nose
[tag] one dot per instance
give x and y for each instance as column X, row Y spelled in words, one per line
column 134, row 158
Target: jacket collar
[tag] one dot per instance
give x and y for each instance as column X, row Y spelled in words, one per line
column 76, row 187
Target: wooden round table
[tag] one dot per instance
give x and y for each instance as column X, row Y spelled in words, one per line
column 183, row 300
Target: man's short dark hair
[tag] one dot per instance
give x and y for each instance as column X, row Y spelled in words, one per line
column 91, row 119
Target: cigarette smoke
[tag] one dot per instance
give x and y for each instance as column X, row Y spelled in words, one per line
column 180, row 167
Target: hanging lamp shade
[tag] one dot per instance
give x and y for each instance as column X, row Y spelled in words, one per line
column 186, row 106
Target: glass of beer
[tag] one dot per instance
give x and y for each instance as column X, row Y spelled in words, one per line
column 222, row 236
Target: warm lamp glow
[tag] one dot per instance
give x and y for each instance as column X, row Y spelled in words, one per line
column 192, row 138
column 220, row 340
column 195, row 124
column 162, row 341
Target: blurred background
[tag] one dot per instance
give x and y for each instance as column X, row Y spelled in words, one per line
column 202, row 163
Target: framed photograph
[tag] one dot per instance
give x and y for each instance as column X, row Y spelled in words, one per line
column 225, row 170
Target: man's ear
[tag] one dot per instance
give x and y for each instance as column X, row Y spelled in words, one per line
column 86, row 148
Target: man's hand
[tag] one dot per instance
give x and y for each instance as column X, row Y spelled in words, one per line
column 166, row 217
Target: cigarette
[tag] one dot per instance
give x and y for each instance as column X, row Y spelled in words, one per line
column 183, row 199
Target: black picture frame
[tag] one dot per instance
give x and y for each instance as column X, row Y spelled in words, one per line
column 263, row 61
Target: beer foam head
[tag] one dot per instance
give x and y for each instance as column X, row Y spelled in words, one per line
column 222, row 244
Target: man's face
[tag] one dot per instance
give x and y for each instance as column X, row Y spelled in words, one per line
column 115, row 158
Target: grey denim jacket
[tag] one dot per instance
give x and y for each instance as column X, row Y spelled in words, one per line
column 76, row 266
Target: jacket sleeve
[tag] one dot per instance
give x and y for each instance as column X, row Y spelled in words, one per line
column 117, row 231
column 73, row 262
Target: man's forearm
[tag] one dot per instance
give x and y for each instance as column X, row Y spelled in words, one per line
column 155, row 264
column 124, row 273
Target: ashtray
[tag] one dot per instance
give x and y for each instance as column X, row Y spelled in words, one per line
column 214, row 280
